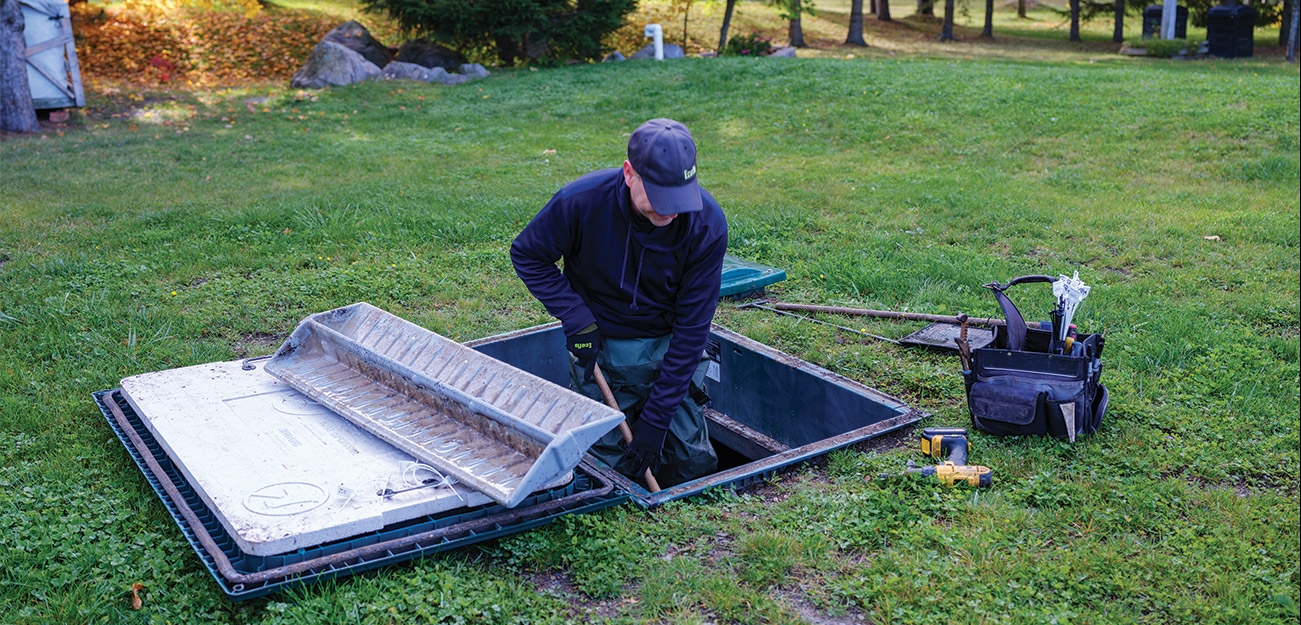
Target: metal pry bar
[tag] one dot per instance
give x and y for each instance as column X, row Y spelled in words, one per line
column 760, row 304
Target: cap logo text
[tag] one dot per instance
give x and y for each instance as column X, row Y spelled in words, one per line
column 688, row 173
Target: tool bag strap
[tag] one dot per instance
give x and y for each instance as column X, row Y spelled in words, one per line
column 1015, row 322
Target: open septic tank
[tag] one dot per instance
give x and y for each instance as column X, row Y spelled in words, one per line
column 274, row 489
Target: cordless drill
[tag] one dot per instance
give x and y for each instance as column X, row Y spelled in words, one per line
column 951, row 443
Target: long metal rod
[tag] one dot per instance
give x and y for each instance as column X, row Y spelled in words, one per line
column 235, row 577
column 651, row 482
column 760, row 304
column 889, row 314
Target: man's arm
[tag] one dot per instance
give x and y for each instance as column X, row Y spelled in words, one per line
column 552, row 234
column 695, row 306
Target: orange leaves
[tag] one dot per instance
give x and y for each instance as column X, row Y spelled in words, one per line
column 194, row 47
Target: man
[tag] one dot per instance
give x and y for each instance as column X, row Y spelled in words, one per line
column 643, row 250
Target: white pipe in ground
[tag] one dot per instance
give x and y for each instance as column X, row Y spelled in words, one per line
column 654, row 30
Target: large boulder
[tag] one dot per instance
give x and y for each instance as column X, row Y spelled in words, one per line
column 785, row 52
column 429, row 54
column 355, row 37
column 441, row 76
column 616, row 56
column 332, row 65
column 397, row 70
column 474, row 70
column 671, row 51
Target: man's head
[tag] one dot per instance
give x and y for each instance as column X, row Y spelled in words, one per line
column 661, row 170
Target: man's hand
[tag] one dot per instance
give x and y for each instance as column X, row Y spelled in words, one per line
column 644, row 450
column 585, row 346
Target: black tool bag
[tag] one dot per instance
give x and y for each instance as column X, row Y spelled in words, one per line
column 1017, row 386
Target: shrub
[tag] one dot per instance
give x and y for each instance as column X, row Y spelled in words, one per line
column 1166, row 48
column 752, row 44
column 515, row 30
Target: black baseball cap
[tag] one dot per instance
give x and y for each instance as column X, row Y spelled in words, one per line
column 663, row 153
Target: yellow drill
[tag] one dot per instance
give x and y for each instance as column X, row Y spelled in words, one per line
column 951, row 443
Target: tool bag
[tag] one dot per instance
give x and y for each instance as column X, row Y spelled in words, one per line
column 1017, row 386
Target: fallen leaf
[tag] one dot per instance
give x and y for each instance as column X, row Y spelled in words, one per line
column 136, row 603
column 548, row 151
column 1212, row 237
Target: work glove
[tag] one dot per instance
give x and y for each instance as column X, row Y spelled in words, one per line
column 585, row 346
column 644, row 450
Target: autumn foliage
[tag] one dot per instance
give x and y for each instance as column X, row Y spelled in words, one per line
column 192, row 47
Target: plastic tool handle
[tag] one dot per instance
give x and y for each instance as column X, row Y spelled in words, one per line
column 651, row 482
column 1025, row 279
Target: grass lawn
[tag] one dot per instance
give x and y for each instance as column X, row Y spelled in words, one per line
column 171, row 229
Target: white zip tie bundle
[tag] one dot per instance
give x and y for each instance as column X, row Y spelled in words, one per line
column 1070, row 292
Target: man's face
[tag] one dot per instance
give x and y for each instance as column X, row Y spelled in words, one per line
column 639, row 199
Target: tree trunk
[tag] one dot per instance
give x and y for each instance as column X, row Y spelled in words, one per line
column 1020, row 9
column 1292, row 35
column 883, row 10
column 926, row 7
column 796, row 33
column 988, row 31
column 1075, row 20
column 855, row 37
column 684, row 26
column 508, row 49
column 16, row 112
column 872, row 10
column 946, row 31
column 1285, row 23
column 727, row 22
column 1119, row 35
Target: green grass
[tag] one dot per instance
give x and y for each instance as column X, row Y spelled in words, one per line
column 128, row 247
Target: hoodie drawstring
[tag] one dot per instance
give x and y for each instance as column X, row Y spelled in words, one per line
column 623, row 272
column 636, row 282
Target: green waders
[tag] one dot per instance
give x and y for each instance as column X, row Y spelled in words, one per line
column 631, row 367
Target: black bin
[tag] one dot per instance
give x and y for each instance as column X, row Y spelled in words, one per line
column 1230, row 31
column 1152, row 22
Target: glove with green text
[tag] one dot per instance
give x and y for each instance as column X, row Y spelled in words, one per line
column 585, row 346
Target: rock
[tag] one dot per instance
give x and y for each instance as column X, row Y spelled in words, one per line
column 355, row 37
column 474, row 70
column 708, row 54
column 331, row 64
column 787, row 52
column 671, row 51
column 429, row 54
column 445, row 78
column 397, row 70
column 615, row 56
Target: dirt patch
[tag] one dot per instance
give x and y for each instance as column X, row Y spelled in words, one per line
column 256, row 344
column 582, row 608
column 903, row 437
column 796, row 601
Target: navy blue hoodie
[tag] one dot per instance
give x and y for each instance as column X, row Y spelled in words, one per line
column 630, row 278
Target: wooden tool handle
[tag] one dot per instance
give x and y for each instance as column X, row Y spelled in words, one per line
column 651, row 482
